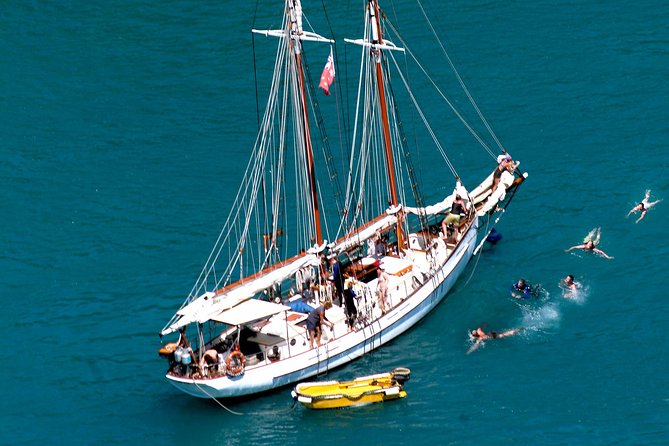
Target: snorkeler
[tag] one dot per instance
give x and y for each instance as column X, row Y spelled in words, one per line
column 521, row 290
column 478, row 336
column 643, row 206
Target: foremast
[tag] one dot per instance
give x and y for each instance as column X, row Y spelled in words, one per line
column 376, row 46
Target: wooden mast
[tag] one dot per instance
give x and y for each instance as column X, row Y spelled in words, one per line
column 378, row 39
column 296, row 31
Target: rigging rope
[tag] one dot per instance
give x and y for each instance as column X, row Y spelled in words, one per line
column 444, row 97
column 424, row 119
column 265, row 412
column 462, row 84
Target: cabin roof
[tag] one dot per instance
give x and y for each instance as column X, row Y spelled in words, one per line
column 249, row 311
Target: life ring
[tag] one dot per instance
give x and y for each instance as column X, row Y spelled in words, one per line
column 235, row 363
column 168, row 349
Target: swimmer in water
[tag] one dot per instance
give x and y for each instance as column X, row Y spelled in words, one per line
column 521, row 290
column 595, row 234
column 590, row 246
column 570, row 286
column 643, row 206
column 478, row 336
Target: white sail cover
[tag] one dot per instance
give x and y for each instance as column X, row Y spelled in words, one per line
column 365, row 234
column 208, row 305
column 444, row 204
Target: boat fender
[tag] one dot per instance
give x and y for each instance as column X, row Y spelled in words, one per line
column 235, row 363
column 392, row 391
column 168, row 349
column 304, row 399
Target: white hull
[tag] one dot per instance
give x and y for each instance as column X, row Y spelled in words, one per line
column 345, row 348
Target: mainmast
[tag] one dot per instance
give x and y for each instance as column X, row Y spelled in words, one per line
column 296, row 36
column 377, row 44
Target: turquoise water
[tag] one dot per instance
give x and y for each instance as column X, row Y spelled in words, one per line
column 125, row 126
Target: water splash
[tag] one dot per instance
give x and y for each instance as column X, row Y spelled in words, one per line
column 542, row 318
column 578, row 296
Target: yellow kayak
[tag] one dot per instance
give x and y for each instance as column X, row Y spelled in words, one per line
column 364, row 390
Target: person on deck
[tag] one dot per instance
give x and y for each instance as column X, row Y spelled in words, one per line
column 338, row 279
column 590, row 246
column 380, row 247
column 382, row 287
column 458, row 208
column 478, row 336
column 209, row 359
column 506, row 164
column 314, row 321
column 643, row 206
column 349, row 306
column 497, row 174
column 183, row 342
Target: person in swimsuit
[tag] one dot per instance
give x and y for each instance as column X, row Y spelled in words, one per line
column 505, row 164
column 590, row 246
column 478, row 336
column 570, row 286
column 643, row 206
column 382, row 287
column 497, row 175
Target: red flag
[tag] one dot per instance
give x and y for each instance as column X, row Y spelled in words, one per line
column 328, row 75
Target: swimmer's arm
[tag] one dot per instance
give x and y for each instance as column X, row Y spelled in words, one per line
column 602, row 253
column 475, row 346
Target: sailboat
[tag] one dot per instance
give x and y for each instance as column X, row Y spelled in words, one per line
column 366, row 261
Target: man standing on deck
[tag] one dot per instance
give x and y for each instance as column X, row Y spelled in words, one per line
column 338, row 279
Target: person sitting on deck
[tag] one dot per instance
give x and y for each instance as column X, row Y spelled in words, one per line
column 506, row 164
column 458, row 209
column 449, row 233
column 209, row 358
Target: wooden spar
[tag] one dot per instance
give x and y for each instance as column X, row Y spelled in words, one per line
column 297, row 31
column 376, row 29
column 310, row 155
